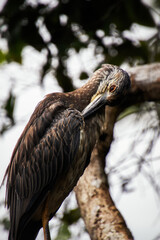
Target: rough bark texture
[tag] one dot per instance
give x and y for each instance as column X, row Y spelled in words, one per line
column 102, row 218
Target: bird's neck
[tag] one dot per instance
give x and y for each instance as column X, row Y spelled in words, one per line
column 97, row 120
column 95, row 123
column 81, row 97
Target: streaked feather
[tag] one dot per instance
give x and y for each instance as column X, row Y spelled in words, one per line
column 40, row 156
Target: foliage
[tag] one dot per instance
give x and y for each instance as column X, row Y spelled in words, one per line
column 75, row 25
column 128, row 111
column 63, row 233
column 8, row 109
column 6, row 223
column 70, row 217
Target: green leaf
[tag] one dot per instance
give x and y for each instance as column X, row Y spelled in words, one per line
column 72, row 216
column 128, row 111
column 9, row 106
column 6, row 223
column 63, row 233
column 15, row 50
column 83, row 75
column 3, row 57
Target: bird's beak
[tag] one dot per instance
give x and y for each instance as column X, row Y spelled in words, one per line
column 98, row 102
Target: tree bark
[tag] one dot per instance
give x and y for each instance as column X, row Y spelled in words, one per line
column 102, row 218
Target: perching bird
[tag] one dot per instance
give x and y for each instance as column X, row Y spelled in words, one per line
column 54, row 150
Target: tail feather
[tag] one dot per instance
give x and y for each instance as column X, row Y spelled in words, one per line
column 28, row 233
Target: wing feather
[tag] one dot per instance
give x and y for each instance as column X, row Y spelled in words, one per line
column 45, row 150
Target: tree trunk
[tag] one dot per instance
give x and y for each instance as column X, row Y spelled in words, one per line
column 102, row 218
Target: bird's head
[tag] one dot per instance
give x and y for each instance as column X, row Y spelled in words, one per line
column 112, row 86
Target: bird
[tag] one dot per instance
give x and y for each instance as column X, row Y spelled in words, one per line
column 55, row 148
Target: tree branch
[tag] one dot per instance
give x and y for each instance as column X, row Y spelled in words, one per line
column 102, row 218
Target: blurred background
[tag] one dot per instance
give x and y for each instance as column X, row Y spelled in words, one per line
column 51, row 45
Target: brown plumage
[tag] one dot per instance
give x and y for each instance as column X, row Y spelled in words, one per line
column 55, row 148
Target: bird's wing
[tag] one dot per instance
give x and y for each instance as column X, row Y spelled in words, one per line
column 45, row 149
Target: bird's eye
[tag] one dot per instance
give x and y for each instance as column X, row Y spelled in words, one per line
column 112, row 88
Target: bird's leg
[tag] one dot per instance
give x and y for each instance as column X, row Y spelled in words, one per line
column 45, row 221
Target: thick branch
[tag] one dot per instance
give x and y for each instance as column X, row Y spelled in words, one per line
column 102, row 218
column 145, row 83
